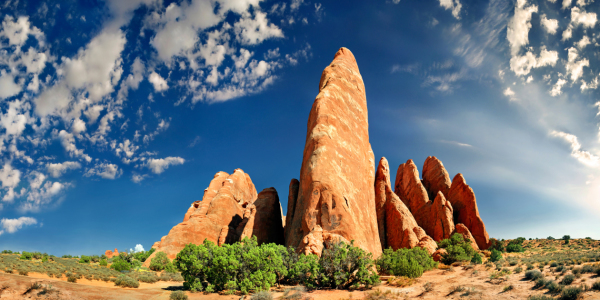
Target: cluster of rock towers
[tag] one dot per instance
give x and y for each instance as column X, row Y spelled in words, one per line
column 340, row 196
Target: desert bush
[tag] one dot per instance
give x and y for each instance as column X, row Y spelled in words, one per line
column 553, row 264
column 262, row 295
column 508, row 288
column 541, row 282
column 84, row 259
column 401, row 281
column 295, row 293
column 7, row 252
column 553, row 287
column 379, row 295
column 71, row 278
column 571, row 293
column 559, row 268
column 496, row 255
column 518, row 270
column 120, row 265
column 533, row 275
column 477, row 259
column 143, row 255
column 514, row 248
column 596, row 286
column 103, row 263
column 159, row 261
column 588, row 269
column 405, row 262
column 178, row 295
column 457, row 248
column 566, row 238
column 567, row 279
column 126, row 281
column 539, row 297
column 496, row 245
column 26, row 256
column 67, row 256
column 23, row 271
column 147, row 277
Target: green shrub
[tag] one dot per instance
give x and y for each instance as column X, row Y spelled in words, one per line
column 596, row 286
column 147, row 277
column 477, row 259
column 550, row 238
column 72, row 278
column 26, row 256
column 159, row 261
column 170, row 268
column 143, row 255
column 514, row 248
column 457, row 248
column 496, row 255
column 539, row 297
column 571, row 293
column 120, row 265
column 553, row 287
column 533, row 275
column 67, row 256
column 103, row 263
column 84, row 259
column 178, row 295
column 568, row 279
column 126, row 281
column 518, row 270
column 496, row 244
column 7, row 252
column 405, row 262
column 566, row 238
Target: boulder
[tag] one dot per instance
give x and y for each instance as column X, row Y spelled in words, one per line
column 435, row 177
column 397, row 226
column 216, row 218
column 464, row 231
column 439, row 254
column 109, row 254
column 435, row 217
column 463, row 201
column 336, row 200
column 263, row 219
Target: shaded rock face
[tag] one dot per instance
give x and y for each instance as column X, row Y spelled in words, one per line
column 263, row 219
column 397, row 226
column 464, row 231
column 335, row 199
column 226, row 202
column 464, row 203
column 292, row 197
column 435, row 217
column 439, row 254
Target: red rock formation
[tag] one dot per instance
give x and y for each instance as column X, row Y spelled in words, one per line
column 191, row 210
column 464, row 204
column 216, row 219
column 435, row 217
column 397, row 226
column 109, row 254
column 336, row 199
column 464, row 231
column 439, row 254
column 435, row 177
column 263, row 219
column 292, row 197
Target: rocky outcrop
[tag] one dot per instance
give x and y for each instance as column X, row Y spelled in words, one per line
column 464, row 204
column 110, row 254
column 439, row 254
column 218, row 216
column 292, row 196
column 263, row 219
column 435, row 177
column 464, row 231
column 435, row 217
column 397, row 226
column 336, row 199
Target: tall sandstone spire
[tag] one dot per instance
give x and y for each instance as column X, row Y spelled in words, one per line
column 336, row 199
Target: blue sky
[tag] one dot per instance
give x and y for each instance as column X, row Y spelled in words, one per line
column 116, row 115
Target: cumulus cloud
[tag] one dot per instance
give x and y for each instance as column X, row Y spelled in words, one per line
column 508, row 92
column 159, row 83
column 522, row 65
column 254, row 30
column 138, row 248
column 8, row 87
column 12, row 225
column 454, row 5
column 550, row 25
column 39, row 197
column 159, row 165
column 582, row 156
column 10, row 178
column 137, row 178
column 574, row 65
column 518, row 27
column 557, row 87
column 104, row 170
column 58, row 169
column 68, row 142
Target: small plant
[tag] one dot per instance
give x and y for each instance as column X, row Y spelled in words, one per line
column 262, row 295
column 508, row 288
column 496, row 255
column 295, row 293
column 568, row 279
column 533, row 275
column 566, row 238
column 26, row 256
column 553, row 287
column 571, row 293
column 457, row 248
column 456, row 289
column 84, row 259
column 518, row 270
column 405, row 262
column 596, row 286
column 379, row 295
column 477, row 259
column 126, row 281
column 159, row 262
column 539, row 297
column 428, row 287
column 401, row 281
column 103, row 263
column 178, row 295
column 33, row 286
column 71, row 278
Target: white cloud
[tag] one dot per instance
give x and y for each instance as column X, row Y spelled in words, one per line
column 522, row 65
column 159, row 83
column 252, row 31
column 551, row 25
column 127, row 148
column 453, row 5
column 58, row 169
column 43, row 195
column 584, row 157
column 14, row 119
column 566, row 4
column 508, row 92
column 10, row 178
column 575, row 67
column 583, row 42
column 78, row 126
column 580, row 17
column 8, row 87
column 138, row 248
column 159, row 165
column 137, row 178
column 518, row 27
column 557, row 88
column 68, row 142
column 104, row 170
column 18, row 32
column 12, row 225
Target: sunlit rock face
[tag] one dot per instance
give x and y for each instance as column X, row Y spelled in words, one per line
column 336, row 199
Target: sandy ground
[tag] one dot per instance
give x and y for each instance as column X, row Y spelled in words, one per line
column 14, row 286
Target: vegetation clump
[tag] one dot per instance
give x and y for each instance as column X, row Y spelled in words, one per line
column 405, row 262
column 457, row 248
